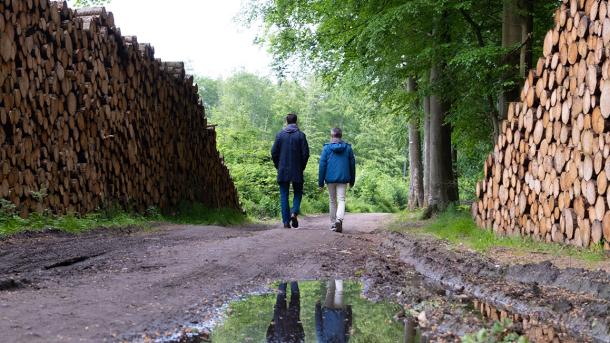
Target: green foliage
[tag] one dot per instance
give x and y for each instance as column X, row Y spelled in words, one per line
column 40, row 195
column 7, row 208
column 208, row 91
column 470, row 168
column 89, row 3
column 247, row 320
column 500, row 332
column 457, row 227
column 386, row 192
column 250, row 110
column 375, row 45
column 198, row 214
column 111, row 217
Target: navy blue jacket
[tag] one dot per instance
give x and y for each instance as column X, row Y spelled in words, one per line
column 290, row 153
column 337, row 164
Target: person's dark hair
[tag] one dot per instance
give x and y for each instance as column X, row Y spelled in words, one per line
column 291, row 118
column 336, row 132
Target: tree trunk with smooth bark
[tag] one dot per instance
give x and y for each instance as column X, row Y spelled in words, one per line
column 416, row 187
column 517, row 26
column 527, row 28
column 442, row 177
column 426, row 155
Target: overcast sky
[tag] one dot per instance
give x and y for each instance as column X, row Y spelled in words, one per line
column 200, row 32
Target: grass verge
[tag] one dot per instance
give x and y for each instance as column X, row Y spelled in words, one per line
column 195, row 214
column 456, row 226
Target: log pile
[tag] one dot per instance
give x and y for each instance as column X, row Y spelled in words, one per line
column 89, row 118
column 549, row 173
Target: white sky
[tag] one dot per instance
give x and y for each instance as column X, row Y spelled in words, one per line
column 202, row 33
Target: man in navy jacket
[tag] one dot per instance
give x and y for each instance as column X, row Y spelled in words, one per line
column 290, row 153
column 337, row 169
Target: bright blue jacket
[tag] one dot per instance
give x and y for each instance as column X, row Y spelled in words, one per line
column 337, row 164
column 333, row 325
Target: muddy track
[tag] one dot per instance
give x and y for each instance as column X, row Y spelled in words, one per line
column 132, row 284
column 575, row 303
column 112, row 285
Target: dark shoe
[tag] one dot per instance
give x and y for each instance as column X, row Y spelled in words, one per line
column 339, row 226
column 293, row 221
column 286, row 226
column 333, row 228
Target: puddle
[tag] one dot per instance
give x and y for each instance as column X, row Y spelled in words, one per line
column 313, row 311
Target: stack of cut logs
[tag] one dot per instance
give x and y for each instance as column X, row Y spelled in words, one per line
column 90, row 118
column 549, row 173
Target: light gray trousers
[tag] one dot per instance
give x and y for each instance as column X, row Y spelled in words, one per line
column 336, row 193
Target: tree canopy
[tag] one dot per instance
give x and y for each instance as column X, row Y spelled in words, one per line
column 379, row 44
column 376, row 46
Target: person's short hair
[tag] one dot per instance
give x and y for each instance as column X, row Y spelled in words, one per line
column 336, row 132
column 291, row 118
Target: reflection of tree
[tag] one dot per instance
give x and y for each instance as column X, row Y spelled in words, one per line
column 410, row 331
column 334, row 317
column 286, row 326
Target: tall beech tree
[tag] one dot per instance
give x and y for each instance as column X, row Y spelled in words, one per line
column 416, row 184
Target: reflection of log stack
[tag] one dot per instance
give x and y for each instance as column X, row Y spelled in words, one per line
column 93, row 118
column 548, row 175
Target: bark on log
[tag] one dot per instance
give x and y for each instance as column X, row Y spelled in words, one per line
column 548, row 174
column 91, row 118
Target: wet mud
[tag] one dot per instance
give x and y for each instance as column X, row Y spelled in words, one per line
column 570, row 302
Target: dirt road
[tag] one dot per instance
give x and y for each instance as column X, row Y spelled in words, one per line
column 113, row 285
column 133, row 284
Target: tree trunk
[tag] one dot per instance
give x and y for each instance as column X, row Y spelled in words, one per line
column 454, row 191
column 527, row 29
column 495, row 121
column 416, row 187
column 512, row 26
column 442, row 178
column 426, row 150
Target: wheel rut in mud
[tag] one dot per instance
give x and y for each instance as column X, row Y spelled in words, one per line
column 572, row 303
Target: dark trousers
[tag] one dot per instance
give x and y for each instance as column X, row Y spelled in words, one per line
column 286, row 326
column 297, row 187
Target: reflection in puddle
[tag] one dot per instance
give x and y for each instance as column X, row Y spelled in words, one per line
column 334, row 317
column 313, row 311
column 412, row 334
column 286, row 325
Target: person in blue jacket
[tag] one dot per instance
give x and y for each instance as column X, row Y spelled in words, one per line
column 290, row 153
column 337, row 169
column 333, row 318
